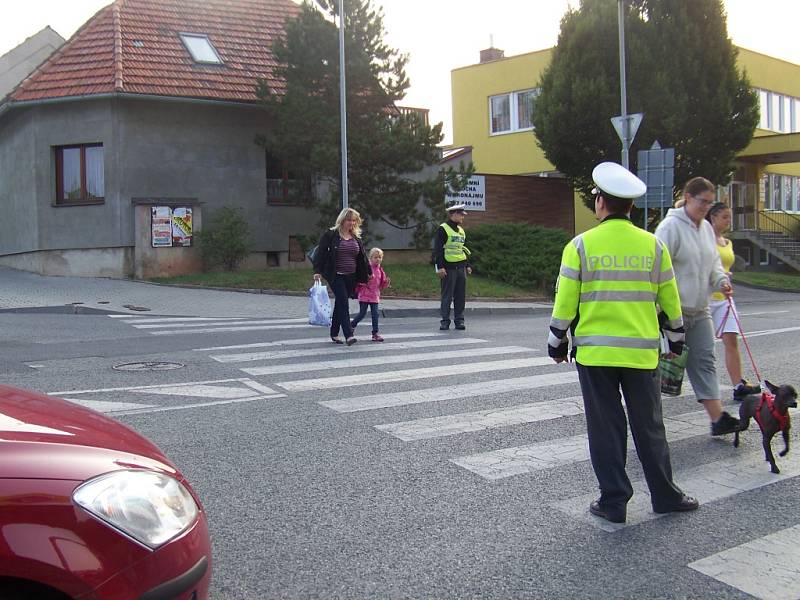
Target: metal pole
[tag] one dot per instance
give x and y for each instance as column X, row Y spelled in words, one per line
column 343, row 105
column 622, row 90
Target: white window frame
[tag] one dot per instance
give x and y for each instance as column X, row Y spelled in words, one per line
column 513, row 106
column 188, row 38
column 761, row 254
column 747, row 256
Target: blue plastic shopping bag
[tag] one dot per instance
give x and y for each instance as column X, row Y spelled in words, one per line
column 319, row 305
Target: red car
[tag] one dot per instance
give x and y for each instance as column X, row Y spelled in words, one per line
column 91, row 510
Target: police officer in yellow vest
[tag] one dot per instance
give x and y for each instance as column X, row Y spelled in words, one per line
column 614, row 279
column 452, row 266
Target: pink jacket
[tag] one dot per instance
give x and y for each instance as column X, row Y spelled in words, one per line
column 371, row 291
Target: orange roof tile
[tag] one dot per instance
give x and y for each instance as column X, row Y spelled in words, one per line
column 134, row 46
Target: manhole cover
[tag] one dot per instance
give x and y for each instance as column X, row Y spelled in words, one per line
column 148, row 366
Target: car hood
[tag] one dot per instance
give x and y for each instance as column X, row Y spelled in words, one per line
column 42, row 437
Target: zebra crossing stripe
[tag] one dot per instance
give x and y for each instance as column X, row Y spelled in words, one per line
column 340, row 381
column 421, row 429
column 451, row 392
column 382, row 360
column 143, row 319
column 708, row 482
column 240, row 328
column 327, row 350
column 766, row 568
column 187, row 324
column 516, row 460
column 320, row 339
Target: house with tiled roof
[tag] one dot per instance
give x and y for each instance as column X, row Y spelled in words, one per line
column 114, row 148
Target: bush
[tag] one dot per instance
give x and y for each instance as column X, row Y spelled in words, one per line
column 226, row 240
column 527, row 256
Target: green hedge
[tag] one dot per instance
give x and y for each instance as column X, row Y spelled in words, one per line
column 519, row 254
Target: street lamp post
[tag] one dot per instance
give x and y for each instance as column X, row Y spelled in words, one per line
column 343, row 105
column 626, row 142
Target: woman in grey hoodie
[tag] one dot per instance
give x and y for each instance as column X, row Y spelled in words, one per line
column 693, row 247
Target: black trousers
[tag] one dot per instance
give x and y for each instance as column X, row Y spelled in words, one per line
column 607, row 429
column 454, row 290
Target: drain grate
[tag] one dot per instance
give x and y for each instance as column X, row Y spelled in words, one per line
column 148, row 366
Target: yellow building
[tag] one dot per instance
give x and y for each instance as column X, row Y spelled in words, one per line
column 492, row 101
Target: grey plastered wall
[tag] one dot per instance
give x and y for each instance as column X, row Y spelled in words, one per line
column 208, row 152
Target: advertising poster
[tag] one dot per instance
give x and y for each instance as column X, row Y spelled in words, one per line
column 182, row 226
column 161, row 226
column 473, row 196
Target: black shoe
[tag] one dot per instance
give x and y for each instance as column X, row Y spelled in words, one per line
column 613, row 516
column 350, row 341
column 745, row 388
column 725, row 424
column 686, row 504
column 460, row 326
column 444, row 326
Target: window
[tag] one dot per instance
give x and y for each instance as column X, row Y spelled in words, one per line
column 512, row 112
column 778, row 112
column 748, row 259
column 763, row 257
column 500, row 107
column 79, row 174
column 282, row 185
column 201, row 49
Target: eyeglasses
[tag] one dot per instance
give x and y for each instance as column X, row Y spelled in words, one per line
column 704, row 201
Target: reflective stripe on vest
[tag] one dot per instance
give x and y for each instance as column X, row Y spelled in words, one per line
column 454, row 249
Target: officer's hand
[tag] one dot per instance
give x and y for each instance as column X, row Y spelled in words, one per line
column 441, row 273
column 669, row 355
column 469, row 270
column 317, row 277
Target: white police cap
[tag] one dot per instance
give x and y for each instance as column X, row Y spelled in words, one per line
column 617, row 181
column 453, row 207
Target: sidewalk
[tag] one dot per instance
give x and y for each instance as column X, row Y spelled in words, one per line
column 23, row 291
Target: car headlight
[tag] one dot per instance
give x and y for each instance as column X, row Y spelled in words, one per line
column 150, row 507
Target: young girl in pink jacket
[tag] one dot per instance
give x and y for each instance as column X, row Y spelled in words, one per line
column 369, row 294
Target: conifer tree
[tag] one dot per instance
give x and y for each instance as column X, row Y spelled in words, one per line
column 681, row 73
column 386, row 149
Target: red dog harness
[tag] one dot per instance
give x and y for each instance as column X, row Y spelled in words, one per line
column 782, row 420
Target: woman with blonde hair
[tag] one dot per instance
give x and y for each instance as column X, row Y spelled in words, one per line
column 692, row 246
column 342, row 261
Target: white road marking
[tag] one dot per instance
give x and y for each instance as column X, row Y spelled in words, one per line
column 767, row 568
column 383, row 360
column 200, row 391
column 329, row 348
column 408, row 374
column 516, row 460
column 320, row 339
column 197, row 405
column 243, row 380
column 241, row 328
column 191, row 326
column 708, row 482
column 421, row 429
column 436, row 394
column 143, row 319
column 770, row 312
column 106, row 406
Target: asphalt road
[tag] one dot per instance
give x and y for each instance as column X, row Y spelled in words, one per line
column 436, row 465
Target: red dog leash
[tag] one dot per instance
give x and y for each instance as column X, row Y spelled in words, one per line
column 782, row 420
column 728, row 311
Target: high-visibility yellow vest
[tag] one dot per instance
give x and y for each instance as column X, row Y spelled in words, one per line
column 613, row 276
column 454, row 248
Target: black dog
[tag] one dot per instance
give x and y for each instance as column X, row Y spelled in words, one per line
column 771, row 412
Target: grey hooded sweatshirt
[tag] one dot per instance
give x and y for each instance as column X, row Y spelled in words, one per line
column 695, row 258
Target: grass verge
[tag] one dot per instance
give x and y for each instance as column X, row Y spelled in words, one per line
column 409, row 281
column 777, row 281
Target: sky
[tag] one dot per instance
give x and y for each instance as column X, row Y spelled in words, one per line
column 442, row 35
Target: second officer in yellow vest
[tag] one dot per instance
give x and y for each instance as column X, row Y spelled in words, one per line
column 613, row 281
column 452, row 266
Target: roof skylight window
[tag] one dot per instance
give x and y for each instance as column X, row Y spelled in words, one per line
column 201, row 49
